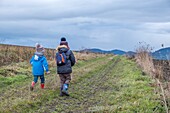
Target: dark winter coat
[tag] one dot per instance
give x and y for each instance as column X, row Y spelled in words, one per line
column 67, row 68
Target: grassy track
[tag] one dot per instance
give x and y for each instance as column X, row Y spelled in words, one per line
column 105, row 84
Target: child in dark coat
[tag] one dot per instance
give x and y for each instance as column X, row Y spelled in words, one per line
column 65, row 70
column 39, row 64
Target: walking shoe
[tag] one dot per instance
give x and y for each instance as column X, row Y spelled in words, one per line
column 42, row 86
column 65, row 90
column 32, row 86
column 65, row 87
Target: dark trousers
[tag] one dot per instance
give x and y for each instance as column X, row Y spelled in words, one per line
column 64, row 79
column 41, row 78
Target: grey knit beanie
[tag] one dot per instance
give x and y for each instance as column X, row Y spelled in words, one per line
column 39, row 48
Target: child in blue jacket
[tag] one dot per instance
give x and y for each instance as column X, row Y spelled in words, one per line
column 39, row 64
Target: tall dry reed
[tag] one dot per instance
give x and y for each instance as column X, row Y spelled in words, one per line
column 146, row 62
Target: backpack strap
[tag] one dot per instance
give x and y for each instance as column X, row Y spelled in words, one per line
column 68, row 53
column 62, row 58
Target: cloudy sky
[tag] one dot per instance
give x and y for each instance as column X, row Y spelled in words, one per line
column 104, row 24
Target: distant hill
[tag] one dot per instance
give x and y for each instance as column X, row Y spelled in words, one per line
column 116, row 51
column 96, row 50
column 162, row 54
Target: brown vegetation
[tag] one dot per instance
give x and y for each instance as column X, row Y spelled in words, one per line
column 12, row 53
column 159, row 71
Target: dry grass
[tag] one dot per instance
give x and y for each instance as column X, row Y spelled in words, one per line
column 146, row 62
column 11, row 53
column 86, row 56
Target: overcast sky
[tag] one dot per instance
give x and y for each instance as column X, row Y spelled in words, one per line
column 103, row 24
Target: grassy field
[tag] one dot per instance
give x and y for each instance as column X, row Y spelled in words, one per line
column 99, row 84
column 14, row 53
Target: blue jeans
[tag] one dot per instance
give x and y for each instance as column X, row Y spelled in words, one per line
column 41, row 77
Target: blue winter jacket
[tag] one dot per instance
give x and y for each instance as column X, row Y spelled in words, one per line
column 39, row 64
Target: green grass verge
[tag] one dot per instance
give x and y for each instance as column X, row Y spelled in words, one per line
column 98, row 85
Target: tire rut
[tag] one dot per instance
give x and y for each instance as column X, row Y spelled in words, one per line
column 86, row 92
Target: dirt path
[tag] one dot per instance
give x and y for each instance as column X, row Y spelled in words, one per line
column 84, row 92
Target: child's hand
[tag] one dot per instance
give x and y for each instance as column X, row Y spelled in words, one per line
column 48, row 72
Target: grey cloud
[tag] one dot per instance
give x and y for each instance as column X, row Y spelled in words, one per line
column 52, row 10
column 104, row 24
